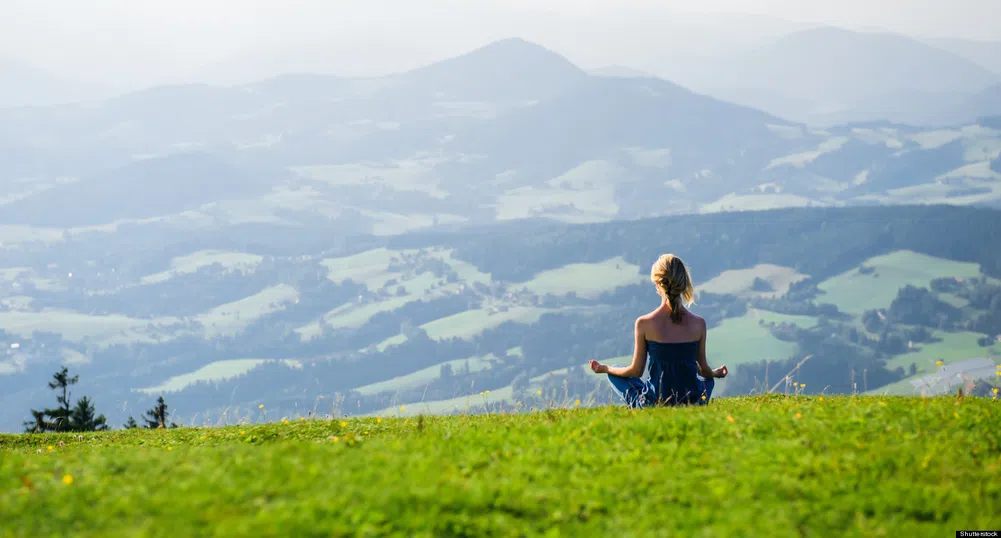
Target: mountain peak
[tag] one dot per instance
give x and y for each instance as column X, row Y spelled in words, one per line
column 509, row 68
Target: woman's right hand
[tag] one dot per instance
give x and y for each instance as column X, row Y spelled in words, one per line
column 720, row 372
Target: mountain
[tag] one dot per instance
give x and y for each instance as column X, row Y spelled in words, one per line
column 620, row 71
column 836, row 69
column 986, row 54
column 508, row 130
column 146, row 188
column 23, row 85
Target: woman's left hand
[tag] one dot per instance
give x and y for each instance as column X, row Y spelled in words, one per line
column 598, row 368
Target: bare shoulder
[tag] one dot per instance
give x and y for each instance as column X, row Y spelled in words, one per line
column 697, row 320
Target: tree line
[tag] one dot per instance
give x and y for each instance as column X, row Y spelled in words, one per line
column 83, row 416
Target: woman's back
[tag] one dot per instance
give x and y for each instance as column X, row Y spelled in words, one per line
column 672, row 361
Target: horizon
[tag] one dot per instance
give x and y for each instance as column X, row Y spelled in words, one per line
column 116, row 47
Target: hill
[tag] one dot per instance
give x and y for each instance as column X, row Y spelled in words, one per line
column 765, row 466
column 454, row 143
column 836, row 69
column 279, row 313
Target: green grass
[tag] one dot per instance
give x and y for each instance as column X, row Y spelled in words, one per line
column 742, row 340
column 471, row 323
column 767, row 466
column 214, row 371
column 854, row 292
column 954, row 347
column 425, row 376
column 587, row 280
column 191, row 263
column 739, row 281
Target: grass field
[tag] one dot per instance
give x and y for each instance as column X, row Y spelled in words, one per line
column 587, row 280
column 743, row 340
column 739, row 281
column 214, row 371
column 855, row 292
column 424, row 376
column 954, row 347
column 191, row 263
column 766, row 466
column 471, row 323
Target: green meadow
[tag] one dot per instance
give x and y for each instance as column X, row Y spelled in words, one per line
column 756, row 466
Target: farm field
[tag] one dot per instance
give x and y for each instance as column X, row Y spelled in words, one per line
column 764, row 466
column 854, row 291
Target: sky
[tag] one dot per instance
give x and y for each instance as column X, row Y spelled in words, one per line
column 123, row 42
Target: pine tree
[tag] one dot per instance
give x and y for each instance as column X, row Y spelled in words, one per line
column 38, row 424
column 85, row 419
column 157, row 416
column 60, row 416
column 131, row 424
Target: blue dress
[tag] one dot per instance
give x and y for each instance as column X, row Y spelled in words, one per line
column 672, row 378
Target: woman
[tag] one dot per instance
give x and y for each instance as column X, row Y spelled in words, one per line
column 675, row 340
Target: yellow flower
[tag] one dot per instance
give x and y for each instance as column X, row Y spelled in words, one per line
column 486, row 392
column 802, row 385
column 730, row 419
column 49, row 448
column 378, row 420
column 344, row 424
column 576, row 402
column 67, row 479
column 995, row 390
column 795, row 384
column 366, row 433
column 938, row 363
column 170, row 448
column 703, row 396
column 799, row 416
column 539, row 393
column 820, row 399
column 260, row 406
column 242, row 432
column 403, row 408
column 336, row 438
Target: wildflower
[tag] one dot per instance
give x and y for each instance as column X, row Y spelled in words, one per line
column 243, row 432
column 260, row 406
column 795, row 384
column 703, row 397
column 336, row 439
column 486, row 392
column 403, row 408
column 344, row 424
column 378, row 420
column 802, row 385
column 576, row 402
column 995, row 391
column 366, row 433
column 67, row 479
column 170, row 448
column 49, row 448
column 539, row 393
column 799, row 416
column 938, row 363
column 820, row 399
column 730, row 419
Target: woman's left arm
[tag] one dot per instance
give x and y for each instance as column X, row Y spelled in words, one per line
column 638, row 365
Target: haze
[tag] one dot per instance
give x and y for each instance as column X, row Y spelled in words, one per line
column 124, row 44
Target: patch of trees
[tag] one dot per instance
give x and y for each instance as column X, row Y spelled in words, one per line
column 66, row 417
column 919, row 306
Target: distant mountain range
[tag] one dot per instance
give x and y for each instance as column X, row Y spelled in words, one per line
column 832, row 75
column 509, row 130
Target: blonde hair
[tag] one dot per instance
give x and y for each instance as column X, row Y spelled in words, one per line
column 673, row 283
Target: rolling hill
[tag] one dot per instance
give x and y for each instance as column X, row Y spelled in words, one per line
column 285, row 314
